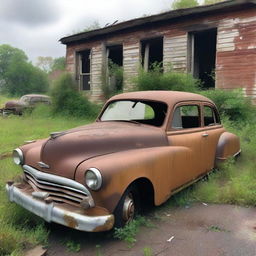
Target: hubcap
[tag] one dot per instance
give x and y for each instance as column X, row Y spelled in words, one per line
column 129, row 208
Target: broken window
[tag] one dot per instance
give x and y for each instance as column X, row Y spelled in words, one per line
column 152, row 53
column 114, row 72
column 202, row 56
column 84, row 70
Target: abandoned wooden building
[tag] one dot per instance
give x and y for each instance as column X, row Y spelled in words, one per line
column 216, row 43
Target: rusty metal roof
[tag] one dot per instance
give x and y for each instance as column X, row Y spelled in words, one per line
column 166, row 16
column 169, row 97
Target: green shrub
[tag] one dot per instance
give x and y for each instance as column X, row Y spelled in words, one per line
column 68, row 101
column 155, row 79
column 232, row 104
column 112, row 83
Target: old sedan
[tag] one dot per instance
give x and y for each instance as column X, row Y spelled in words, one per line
column 143, row 148
column 25, row 102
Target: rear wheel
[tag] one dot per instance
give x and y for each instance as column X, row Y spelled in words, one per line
column 127, row 207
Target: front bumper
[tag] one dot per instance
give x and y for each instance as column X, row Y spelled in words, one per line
column 63, row 214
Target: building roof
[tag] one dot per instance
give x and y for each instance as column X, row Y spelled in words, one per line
column 166, row 16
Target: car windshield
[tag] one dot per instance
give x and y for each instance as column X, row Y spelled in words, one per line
column 24, row 99
column 146, row 112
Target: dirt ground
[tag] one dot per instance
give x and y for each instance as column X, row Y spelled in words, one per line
column 201, row 229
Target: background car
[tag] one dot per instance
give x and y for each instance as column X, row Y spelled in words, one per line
column 25, row 102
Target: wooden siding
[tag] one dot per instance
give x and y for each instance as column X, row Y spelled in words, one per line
column 131, row 63
column 236, row 54
column 175, row 52
column 97, row 53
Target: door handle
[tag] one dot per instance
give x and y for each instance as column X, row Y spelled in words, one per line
column 205, row 135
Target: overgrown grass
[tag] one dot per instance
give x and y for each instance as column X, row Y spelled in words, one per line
column 15, row 130
column 128, row 233
column 19, row 228
column 3, row 99
column 235, row 182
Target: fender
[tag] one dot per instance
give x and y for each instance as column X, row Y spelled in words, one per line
column 228, row 146
column 121, row 169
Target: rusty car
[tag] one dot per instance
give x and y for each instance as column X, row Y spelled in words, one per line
column 27, row 101
column 143, row 148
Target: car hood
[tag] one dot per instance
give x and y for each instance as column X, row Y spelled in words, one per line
column 14, row 103
column 62, row 153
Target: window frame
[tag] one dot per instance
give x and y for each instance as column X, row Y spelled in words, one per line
column 190, row 103
column 214, row 111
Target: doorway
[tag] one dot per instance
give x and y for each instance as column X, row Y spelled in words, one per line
column 202, row 53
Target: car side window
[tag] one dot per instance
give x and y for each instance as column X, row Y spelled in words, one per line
column 210, row 116
column 186, row 116
column 33, row 99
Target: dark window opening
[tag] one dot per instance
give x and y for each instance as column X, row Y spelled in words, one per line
column 152, row 53
column 203, row 56
column 114, row 72
column 115, row 54
column 186, row 117
column 85, row 70
column 211, row 116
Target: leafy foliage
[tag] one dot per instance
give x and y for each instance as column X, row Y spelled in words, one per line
column 67, row 100
column 155, row 79
column 212, row 1
column 44, row 63
column 232, row 104
column 112, row 82
column 181, row 4
column 58, row 64
column 17, row 75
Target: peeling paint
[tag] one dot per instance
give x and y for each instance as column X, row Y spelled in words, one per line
column 71, row 221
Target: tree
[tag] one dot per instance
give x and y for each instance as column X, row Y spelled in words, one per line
column 58, row 64
column 181, row 4
column 9, row 54
column 17, row 75
column 45, row 63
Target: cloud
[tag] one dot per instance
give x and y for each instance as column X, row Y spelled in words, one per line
column 35, row 26
column 30, row 13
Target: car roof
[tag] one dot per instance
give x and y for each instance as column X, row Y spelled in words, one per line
column 169, row 97
column 36, row 95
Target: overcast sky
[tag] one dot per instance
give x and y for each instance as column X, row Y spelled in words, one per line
column 35, row 26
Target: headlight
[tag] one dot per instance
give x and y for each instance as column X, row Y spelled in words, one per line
column 93, row 178
column 18, row 157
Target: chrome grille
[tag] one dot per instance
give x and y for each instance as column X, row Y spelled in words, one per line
column 60, row 189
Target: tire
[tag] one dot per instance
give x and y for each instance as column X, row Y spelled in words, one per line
column 127, row 208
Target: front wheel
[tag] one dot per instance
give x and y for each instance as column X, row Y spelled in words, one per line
column 127, row 207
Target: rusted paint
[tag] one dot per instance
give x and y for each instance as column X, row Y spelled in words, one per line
column 124, row 152
column 71, row 221
column 107, row 225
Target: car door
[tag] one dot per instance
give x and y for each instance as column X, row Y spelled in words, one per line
column 186, row 131
column 212, row 131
